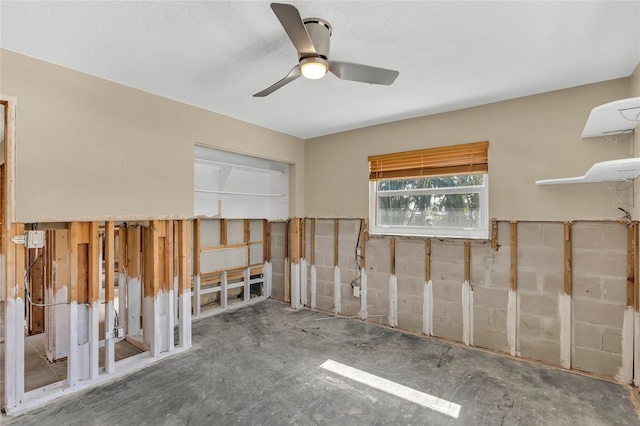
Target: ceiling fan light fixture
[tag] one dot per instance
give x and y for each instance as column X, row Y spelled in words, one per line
column 313, row 68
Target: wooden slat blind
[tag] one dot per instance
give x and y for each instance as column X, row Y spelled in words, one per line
column 448, row 160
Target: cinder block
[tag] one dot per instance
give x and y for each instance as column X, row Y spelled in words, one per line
column 599, row 263
column 349, row 226
column 586, row 235
column 490, row 339
column 553, row 282
column 410, row 287
column 593, row 361
column 504, row 233
column 599, row 313
column 324, row 303
column 324, row 273
column 529, row 234
column 553, row 235
column 586, row 287
column 500, row 277
column 351, row 307
column 541, row 259
column 530, row 326
column 540, row 350
column 437, row 271
column 447, row 252
column 410, row 322
column 444, row 291
column 447, row 329
column 614, row 236
column 499, row 320
column 324, row 227
column 482, row 254
column 415, row 269
column 478, row 274
column 378, row 281
column 502, row 257
column 614, row 290
column 551, row 328
column 324, row 246
column 481, row 317
column 587, row 335
column 447, row 311
column 612, row 340
column 528, row 280
column 277, row 266
column 538, row 304
column 454, row 272
column 489, row 298
column 410, row 249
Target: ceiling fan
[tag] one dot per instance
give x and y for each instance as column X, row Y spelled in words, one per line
column 310, row 36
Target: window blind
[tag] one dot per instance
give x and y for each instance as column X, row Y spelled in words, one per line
column 448, row 160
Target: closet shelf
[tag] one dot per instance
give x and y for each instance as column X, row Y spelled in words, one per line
column 625, row 169
column 613, row 118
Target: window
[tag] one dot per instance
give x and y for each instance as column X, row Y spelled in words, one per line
column 438, row 192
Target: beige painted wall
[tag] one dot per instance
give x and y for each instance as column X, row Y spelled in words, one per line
column 634, row 91
column 92, row 149
column 531, row 138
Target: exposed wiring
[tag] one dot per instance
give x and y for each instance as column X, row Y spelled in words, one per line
column 27, row 289
column 356, row 281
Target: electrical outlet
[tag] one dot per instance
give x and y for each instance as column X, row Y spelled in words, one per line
column 34, row 239
column 119, row 332
column 356, row 291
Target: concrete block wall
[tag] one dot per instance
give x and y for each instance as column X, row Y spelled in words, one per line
column 410, row 274
column 378, row 263
column 598, row 300
column 349, row 230
column 277, row 246
column 599, row 296
column 447, row 275
column 490, row 271
column 540, row 282
column 324, row 255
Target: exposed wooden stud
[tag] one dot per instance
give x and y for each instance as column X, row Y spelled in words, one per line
column 467, row 298
column 109, row 290
column 567, row 258
column 512, row 301
column 94, row 262
column 122, row 276
column 513, row 275
column 494, row 234
column 365, row 238
column 467, row 261
column 631, row 265
column 392, row 246
column 564, row 304
column 336, row 231
column 303, row 238
column 134, row 280
column 197, row 229
column 184, row 284
column 93, row 267
column 287, row 260
column 223, row 232
column 313, row 242
column 427, row 260
column 266, row 240
column 294, row 259
column 636, row 259
column 427, row 297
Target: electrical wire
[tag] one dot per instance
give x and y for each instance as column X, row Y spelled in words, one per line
column 27, row 289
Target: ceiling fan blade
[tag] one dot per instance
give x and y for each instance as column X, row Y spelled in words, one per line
column 362, row 73
column 290, row 19
column 293, row 74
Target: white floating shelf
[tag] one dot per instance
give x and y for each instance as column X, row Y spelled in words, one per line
column 605, row 171
column 613, row 118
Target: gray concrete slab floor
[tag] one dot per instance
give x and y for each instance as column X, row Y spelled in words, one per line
column 260, row 365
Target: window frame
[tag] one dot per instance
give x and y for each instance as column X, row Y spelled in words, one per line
column 424, row 172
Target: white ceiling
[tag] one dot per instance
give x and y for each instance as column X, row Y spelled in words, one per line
column 217, row 54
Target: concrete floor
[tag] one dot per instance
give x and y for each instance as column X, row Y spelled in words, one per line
column 261, row 365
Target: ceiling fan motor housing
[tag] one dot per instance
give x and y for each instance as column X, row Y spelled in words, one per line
column 319, row 31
